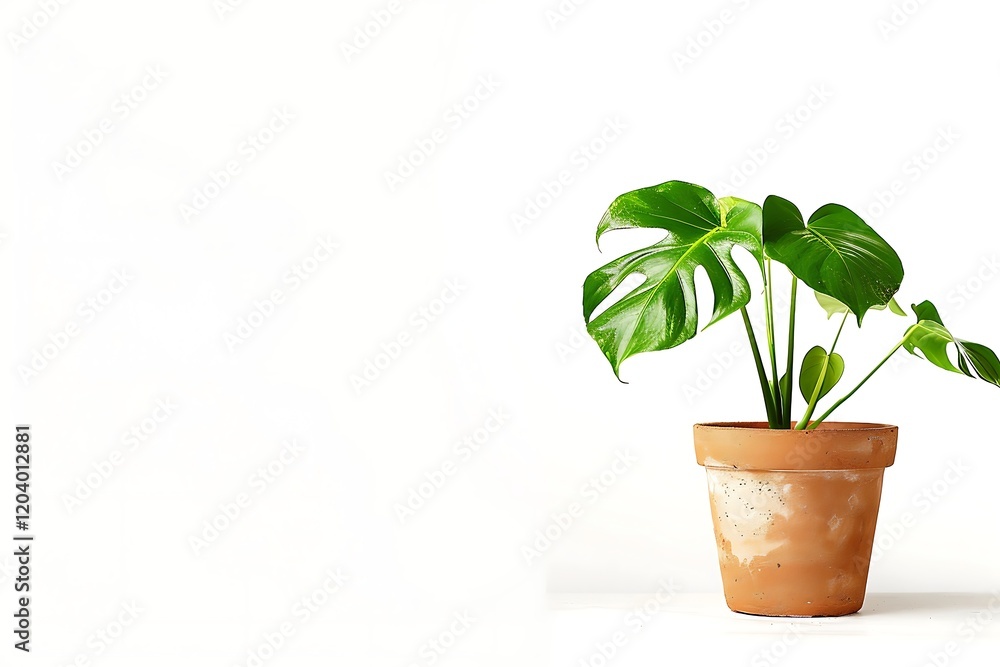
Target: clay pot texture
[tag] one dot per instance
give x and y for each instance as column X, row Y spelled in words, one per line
column 794, row 512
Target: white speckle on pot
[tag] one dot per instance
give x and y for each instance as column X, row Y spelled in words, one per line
column 745, row 504
column 834, row 522
column 852, row 501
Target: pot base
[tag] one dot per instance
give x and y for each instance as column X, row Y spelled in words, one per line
column 771, row 615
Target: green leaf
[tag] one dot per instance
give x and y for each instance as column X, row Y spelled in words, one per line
column 836, row 254
column 932, row 339
column 785, row 385
column 833, row 307
column 662, row 312
column 926, row 310
column 983, row 360
column 812, row 368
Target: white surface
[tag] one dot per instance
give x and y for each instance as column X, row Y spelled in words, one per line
column 892, row 628
column 481, row 316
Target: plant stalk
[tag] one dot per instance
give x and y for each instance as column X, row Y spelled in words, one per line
column 761, row 374
column 851, row 393
column 772, row 353
column 790, row 361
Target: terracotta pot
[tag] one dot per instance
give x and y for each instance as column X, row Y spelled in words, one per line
column 795, row 512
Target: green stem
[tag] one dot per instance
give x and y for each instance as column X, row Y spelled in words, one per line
column 790, row 361
column 769, row 318
column 768, row 399
column 804, row 422
column 851, row 393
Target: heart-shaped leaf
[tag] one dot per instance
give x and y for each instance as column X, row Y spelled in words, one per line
column 836, row 254
column 812, row 369
column 834, row 307
column 932, row 339
column 662, row 312
column 785, row 385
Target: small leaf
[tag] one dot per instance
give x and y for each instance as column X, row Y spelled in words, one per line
column 834, row 307
column 930, row 337
column 927, row 311
column 812, row 368
column 784, row 385
column 896, row 308
column 830, row 305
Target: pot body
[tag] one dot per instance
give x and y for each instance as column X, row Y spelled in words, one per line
column 794, row 512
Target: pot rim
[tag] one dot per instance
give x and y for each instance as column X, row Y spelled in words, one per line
column 825, row 426
column 831, row 446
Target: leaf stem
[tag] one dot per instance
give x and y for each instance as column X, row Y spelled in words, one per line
column 768, row 398
column 804, row 422
column 769, row 318
column 851, row 393
column 790, row 361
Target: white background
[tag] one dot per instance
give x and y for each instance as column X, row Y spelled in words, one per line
column 815, row 102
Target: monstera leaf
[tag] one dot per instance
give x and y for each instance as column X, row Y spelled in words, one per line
column 812, row 368
column 932, row 339
column 834, row 307
column 662, row 312
column 836, row 254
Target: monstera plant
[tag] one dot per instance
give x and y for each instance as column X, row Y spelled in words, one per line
column 850, row 268
column 794, row 501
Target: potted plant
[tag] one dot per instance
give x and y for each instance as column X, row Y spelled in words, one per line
column 794, row 501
